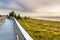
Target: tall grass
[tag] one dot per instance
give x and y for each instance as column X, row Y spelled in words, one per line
column 41, row 29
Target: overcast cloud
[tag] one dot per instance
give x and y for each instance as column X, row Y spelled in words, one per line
column 31, row 6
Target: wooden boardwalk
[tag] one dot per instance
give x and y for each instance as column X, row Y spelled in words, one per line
column 7, row 30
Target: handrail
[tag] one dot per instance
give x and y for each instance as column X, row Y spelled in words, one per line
column 25, row 34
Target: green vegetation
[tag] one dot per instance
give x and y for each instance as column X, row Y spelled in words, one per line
column 18, row 17
column 13, row 14
column 41, row 29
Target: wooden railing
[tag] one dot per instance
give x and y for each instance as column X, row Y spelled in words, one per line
column 21, row 33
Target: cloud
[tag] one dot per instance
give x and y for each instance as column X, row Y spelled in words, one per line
column 13, row 5
column 40, row 5
column 49, row 6
column 30, row 5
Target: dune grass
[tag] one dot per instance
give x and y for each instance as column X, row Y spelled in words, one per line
column 41, row 29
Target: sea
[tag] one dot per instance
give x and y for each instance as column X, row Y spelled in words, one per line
column 48, row 18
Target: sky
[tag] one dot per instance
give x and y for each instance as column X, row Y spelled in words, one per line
column 31, row 7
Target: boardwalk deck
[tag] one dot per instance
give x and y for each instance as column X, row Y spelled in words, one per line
column 7, row 30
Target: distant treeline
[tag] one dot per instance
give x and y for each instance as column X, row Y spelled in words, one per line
column 13, row 14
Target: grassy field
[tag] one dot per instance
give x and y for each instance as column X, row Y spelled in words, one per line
column 41, row 29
